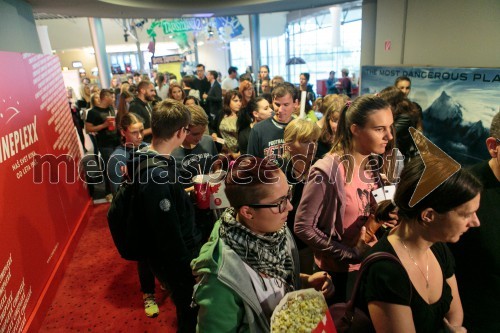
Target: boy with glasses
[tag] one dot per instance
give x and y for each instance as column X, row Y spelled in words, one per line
column 194, row 157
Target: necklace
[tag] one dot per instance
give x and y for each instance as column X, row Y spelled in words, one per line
column 426, row 276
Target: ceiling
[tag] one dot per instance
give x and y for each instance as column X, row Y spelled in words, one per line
column 167, row 8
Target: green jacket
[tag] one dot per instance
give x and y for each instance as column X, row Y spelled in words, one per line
column 225, row 294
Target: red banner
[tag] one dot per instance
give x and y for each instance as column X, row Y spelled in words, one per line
column 38, row 213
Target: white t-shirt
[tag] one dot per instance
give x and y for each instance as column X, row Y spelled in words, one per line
column 163, row 92
column 271, row 295
column 229, row 84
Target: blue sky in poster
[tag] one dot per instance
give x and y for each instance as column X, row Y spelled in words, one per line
column 476, row 89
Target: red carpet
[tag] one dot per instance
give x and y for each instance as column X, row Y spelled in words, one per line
column 100, row 292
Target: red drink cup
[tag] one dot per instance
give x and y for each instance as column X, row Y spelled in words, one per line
column 111, row 122
column 202, row 191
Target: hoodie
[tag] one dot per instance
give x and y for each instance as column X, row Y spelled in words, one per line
column 225, row 293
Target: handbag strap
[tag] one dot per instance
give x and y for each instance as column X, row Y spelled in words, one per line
column 367, row 262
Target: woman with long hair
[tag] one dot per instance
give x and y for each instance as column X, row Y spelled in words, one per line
column 337, row 202
column 176, row 92
column 331, row 107
column 84, row 102
column 247, row 92
column 258, row 109
column 429, row 300
column 162, row 87
column 250, row 261
column 227, row 125
column 405, row 115
column 123, row 105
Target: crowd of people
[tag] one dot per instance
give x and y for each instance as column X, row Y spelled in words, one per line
column 300, row 193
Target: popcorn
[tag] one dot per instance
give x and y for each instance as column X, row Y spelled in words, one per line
column 299, row 312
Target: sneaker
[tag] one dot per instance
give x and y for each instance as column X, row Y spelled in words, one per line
column 150, row 307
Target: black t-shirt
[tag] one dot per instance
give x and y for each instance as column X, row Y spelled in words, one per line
column 105, row 138
column 297, row 190
column 188, row 160
column 322, row 149
column 243, row 137
column 142, row 109
column 386, row 281
column 267, row 139
column 477, row 256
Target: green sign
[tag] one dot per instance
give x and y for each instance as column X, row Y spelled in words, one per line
column 176, row 26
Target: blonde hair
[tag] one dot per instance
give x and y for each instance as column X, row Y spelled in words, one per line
column 198, row 116
column 83, row 94
column 124, row 87
column 93, row 96
column 301, row 130
column 331, row 105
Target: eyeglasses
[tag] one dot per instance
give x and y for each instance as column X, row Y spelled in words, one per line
column 498, row 140
column 282, row 204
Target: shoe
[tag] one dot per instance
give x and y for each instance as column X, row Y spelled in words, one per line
column 150, row 307
column 109, row 197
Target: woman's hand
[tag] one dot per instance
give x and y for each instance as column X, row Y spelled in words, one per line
column 361, row 246
column 394, row 219
column 453, row 329
column 214, row 137
column 320, row 281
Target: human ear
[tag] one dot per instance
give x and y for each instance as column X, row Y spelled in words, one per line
column 492, row 146
column 179, row 133
column 354, row 129
column 246, row 212
column 427, row 215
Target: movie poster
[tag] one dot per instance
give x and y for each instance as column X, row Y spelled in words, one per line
column 458, row 104
column 37, row 216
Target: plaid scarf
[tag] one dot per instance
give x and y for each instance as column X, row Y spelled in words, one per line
column 267, row 254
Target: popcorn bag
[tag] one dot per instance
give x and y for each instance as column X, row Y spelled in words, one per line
column 218, row 197
column 302, row 311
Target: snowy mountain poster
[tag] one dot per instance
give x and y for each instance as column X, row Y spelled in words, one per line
column 458, row 104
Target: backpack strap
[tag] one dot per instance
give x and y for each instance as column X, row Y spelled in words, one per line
column 149, row 162
column 367, row 262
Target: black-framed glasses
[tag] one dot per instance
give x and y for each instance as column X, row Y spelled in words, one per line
column 498, row 140
column 281, row 205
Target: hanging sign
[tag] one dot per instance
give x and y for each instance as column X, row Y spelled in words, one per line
column 168, row 59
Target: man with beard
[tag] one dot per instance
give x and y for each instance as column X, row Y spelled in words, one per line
column 140, row 105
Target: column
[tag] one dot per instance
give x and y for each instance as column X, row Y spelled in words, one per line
column 99, row 43
column 255, row 44
column 368, row 32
